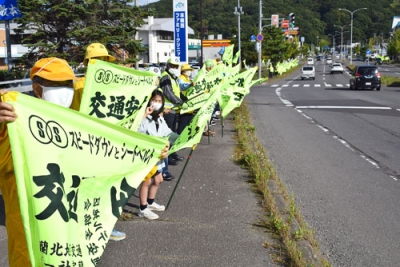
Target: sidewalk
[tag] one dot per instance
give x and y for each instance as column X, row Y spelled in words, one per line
column 211, row 220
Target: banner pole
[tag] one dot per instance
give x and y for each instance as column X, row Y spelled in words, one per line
column 222, row 127
column 180, row 176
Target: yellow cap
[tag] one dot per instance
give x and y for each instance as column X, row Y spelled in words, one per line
column 52, row 69
column 97, row 50
column 186, row 67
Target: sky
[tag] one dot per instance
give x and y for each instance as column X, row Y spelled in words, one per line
column 145, row 2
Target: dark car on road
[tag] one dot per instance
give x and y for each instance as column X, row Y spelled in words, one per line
column 366, row 77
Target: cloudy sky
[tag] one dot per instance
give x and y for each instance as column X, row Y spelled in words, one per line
column 145, row 2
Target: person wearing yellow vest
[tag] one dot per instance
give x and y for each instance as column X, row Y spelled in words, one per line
column 172, row 95
column 52, row 80
column 185, row 82
column 271, row 70
column 93, row 51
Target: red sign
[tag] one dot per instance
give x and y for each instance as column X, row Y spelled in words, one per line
column 285, row 24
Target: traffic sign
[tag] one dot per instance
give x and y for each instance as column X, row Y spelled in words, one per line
column 260, row 37
column 252, row 38
column 368, row 52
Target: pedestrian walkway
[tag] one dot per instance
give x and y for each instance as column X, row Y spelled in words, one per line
column 213, row 219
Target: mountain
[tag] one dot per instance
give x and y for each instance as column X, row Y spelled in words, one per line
column 315, row 18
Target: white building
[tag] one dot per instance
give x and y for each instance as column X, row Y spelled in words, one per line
column 157, row 35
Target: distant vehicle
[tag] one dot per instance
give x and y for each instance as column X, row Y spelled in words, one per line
column 308, row 72
column 328, row 60
column 319, row 58
column 336, row 67
column 310, row 61
column 366, row 77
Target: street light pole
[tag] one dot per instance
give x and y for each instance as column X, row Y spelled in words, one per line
column 341, row 38
column 351, row 30
column 238, row 12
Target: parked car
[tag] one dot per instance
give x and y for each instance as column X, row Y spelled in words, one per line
column 336, row 67
column 308, row 72
column 310, row 61
column 366, row 77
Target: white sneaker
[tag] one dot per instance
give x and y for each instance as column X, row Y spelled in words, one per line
column 155, row 207
column 148, row 214
column 217, row 113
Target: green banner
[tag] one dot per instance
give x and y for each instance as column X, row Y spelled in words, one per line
column 228, row 55
column 236, row 58
column 234, row 91
column 116, row 94
column 207, row 83
column 192, row 133
column 74, row 175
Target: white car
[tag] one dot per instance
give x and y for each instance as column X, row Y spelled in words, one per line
column 308, row 72
column 310, row 61
column 328, row 60
column 336, row 67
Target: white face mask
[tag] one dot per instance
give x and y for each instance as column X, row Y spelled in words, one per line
column 58, row 95
column 187, row 73
column 174, row 72
column 156, row 106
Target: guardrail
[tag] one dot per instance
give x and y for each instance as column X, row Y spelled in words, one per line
column 25, row 84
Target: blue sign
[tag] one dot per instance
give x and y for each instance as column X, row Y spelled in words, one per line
column 368, row 52
column 260, row 37
column 180, row 30
column 9, row 10
column 222, row 50
column 253, row 38
column 326, row 47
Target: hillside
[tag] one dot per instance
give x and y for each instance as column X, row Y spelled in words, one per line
column 314, row 17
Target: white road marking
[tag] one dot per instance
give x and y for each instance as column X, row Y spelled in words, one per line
column 285, row 85
column 317, row 85
column 306, row 85
column 275, row 85
column 340, row 107
column 327, row 85
column 296, row 85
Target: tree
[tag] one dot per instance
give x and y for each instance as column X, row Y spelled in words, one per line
column 393, row 48
column 64, row 28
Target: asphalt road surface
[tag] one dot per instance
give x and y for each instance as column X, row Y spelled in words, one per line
column 338, row 152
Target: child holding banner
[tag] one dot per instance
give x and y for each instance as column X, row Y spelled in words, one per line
column 154, row 124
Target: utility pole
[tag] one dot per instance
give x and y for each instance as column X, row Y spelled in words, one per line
column 259, row 42
column 238, row 12
column 201, row 32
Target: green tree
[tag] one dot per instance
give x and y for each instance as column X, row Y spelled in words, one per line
column 393, row 48
column 64, row 28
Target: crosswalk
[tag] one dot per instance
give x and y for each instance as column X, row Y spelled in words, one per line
column 337, row 85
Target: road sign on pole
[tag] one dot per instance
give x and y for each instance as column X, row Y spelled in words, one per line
column 260, row 37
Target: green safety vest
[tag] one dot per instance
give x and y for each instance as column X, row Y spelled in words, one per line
column 175, row 89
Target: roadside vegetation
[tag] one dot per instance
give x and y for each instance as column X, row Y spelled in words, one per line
column 295, row 244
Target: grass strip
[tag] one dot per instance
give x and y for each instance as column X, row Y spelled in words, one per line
column 297, row 246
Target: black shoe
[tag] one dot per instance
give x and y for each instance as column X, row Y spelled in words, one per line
column 178, row 158
column 167, row 176
column 172, row 162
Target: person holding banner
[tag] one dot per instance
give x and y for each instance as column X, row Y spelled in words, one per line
column 185, row 82
column 154, row 124
column 93, row 51
column 172, row 97
column 52, row 80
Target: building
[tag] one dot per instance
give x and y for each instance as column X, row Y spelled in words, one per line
column 17, row 49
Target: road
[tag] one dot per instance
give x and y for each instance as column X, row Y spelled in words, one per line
column 337, row 150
